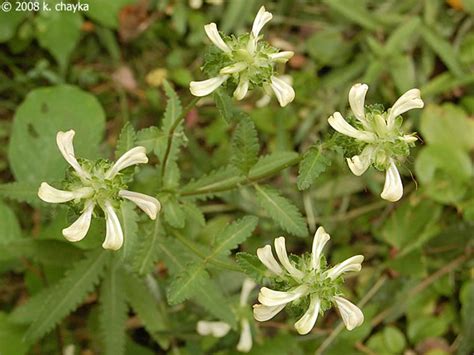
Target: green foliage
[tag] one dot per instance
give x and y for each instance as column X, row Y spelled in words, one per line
column 79, row 281
column 251, row 265
column 193, row 277
column 113, row 310
column 147, row 249
column 281, row 210
column 126, row 140
column 11, row 335
column 20, row 191
column 9, row 227
column 224, row 104
column 314, row 163
column 33, row 154
column 245, row 145
column 106, row 11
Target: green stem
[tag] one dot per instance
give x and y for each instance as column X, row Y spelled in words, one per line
column 171, row 134
column 184, row 241
column 243, row 180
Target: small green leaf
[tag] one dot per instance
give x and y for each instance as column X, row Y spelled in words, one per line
column 228, row 111
column 68, row 293
column 234, row 234
column 281, row 210
column 129, row 218
column 20, row 191
column 273, row 162
column 147, row 250
column 9, row 227
column 184, row 285
column 251, row 265
column 173, row 212
column 314, row 163
column 354, row 11
column 245, row 145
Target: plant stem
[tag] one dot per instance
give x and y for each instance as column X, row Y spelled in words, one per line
column 171, row 134
column 243, row 180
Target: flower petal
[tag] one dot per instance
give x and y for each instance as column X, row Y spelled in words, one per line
column 213, row 33
column 360, row 163
column 408, row 101
column 260, row 20
column 265, row 255
column 263, row 313
column 52, row 195
column 280, row 249
column 64, row 140
column 216, row 329
column 270, row 297
column 351, row 315
column 134, row 156
column 247, row 287
column 205, row 87
column 114, row 235
column 357, row 101
column 308, row 320
column 245, row 341
column 241, row 89
column 148, row 204
column 340, row 124
column 78, row 230
column 282, row 57
column 234, row 68
column 348, row 265
column 319, row 241
column 283, row 91
column 393, row 187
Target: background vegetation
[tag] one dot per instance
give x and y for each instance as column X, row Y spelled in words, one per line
column 101, row 72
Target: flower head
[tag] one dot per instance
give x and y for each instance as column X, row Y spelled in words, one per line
column 220, row 329
column 97, row 184
column 306, row 283
column 246, row 61
column 377, row 136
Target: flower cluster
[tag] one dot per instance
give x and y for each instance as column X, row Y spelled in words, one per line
column 309, row 285
column 246, row 61
column 220, row 329
column 101, row 184
column 380, row 140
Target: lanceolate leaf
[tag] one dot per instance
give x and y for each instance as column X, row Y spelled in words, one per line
column 20, row 191
column 273, row 162
column 126, row 140
column 226, row 107
column 251, row 265
column 173, row 107
column 282, row 211
column 245, row 145
column 130, row 229
column 113, row 312
column 141, row 299
column 68, row 293
column 147, row 251
column 183, row 286
column 234, row 234
column 313, row 164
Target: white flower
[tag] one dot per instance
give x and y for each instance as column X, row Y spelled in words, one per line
column 220, row 329
column 381, row 134
column 89, row 187
column 268, row 90
column 312, row 272
column 251, row 62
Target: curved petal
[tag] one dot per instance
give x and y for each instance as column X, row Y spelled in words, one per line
column 270, row 297
column 245, row 341
column 261, row 19
column 78, row 230
column 280, row 249
column 114, row 235
column 357, row 101
column 282, row 57
column 213, row 33
column 241, row 89
column 150, row 205
column 205, row 87
column 393, row 187
column 348, row 265
column 64, row 140
column 283, row 91
column 408, row 101
column 52, row 195
column 234, row 68
column 360, row 163
column 247, row 287
column 134, row 156
column 351, row 315
column 265, row 255
column 308, row 320
column 338, row 122
column 319, row 241
column 216, row 329
column 263, row 313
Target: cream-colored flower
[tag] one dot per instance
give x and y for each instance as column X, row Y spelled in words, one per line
column 96, row 187
column 304, row 281
column 381, row 135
